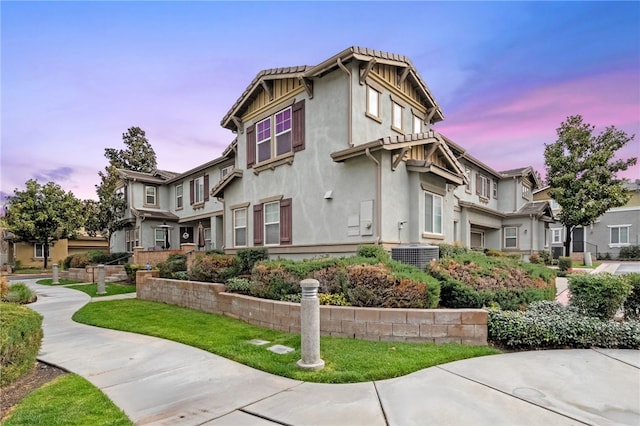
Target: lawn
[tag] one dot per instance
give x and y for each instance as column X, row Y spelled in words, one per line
column 346, row 360
column 49, row 281
column 67, row 400
column 111, row 289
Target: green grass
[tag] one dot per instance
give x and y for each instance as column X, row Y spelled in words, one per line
column 346, row 360
column 49, row 281
column 67, row 400
column 111, row 289
column 29, row 271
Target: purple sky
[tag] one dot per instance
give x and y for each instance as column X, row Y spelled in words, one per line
column 76, row 75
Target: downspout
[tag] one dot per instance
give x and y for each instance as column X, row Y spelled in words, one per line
column 350, row 114
column 531, row 236
column 378, row 195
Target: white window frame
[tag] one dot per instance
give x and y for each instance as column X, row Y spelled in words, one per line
column 485, row 186
column 275, row 205
column 417, row 124
column 396, row 117
column 435, row 227
column 153, row 195
column 495, row 189
column 263, row 140
column 161, row 232
column 198, row 190
column 510, row 237
column 556, row 235
column 225, row 171
column 39, row 246
column 373, row 103
column 179, row 196
column 467, row 171
column 619, row 228
column 238, row 225
column 284, row 133
column 526, row 191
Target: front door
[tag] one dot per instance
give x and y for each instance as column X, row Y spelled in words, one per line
column 578, row 240
column 186, row 234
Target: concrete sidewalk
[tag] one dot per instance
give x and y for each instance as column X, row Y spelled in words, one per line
column 161, row 382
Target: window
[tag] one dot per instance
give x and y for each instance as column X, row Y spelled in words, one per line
column 526, row 192
column 417, row 124
column 162, row 237
column 554, row 205
column 275, row 136
column 225, row 171
column 619, row 235
column 150, row 195
column 239, row 227
column 179, row 199
column 38, row 250
column 556, row 235
column 199, row 190
column 511, row 237
column 495, row 189
column 467, row 172
column 272, row 223
column 132, row 239
column 396, row 117
column 483, row 186
column 207, row 239
column 432, row 213
column 373, row 102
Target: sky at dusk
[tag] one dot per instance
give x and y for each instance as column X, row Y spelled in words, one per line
column 76, row 75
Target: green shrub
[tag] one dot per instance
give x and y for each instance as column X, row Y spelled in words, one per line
column 632, row 304
column 548, row 325
column 273, row 281
column 333, row 299
column 174, row 263
column 131, row 269
column 373, row 251
column 564, row 263
column 180, row 275
column 248, row 257
column 629, row 252
column 598, row 295
column 216, row 268
column 450, row 250
column 239, row 285
column 66, row 263
column 546, row 258
column 20, row 293
column 79, row 260
column 20, row 340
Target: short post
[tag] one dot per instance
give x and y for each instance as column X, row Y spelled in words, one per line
column 310, row 326
column 56, row 280
column 101, row 287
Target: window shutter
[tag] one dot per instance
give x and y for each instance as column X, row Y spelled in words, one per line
column 251, row 146
column 478, row 183
column 191, row 192
column 258, row 225
column 206, row 187
column 285, row 221
column 298, row 126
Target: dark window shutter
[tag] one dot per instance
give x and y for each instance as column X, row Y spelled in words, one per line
column 206, row 187
column 191, row 192
column 258, row 225
column 478, row 183
column 298, row 125
column 285, row 221
column 251, row 146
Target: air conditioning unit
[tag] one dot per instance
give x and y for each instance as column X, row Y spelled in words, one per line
column 417, row 255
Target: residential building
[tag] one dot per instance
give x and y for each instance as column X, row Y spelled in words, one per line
column 332, row 156
column 619, row 227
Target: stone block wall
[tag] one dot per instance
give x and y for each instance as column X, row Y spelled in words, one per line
column 90, row 273
column 466, row 326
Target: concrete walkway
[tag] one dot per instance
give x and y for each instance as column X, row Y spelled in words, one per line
column 156, row 381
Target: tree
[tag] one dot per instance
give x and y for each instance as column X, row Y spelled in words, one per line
column 139, row 155
column 107, row 214
column 43, row 214
column 582, row 172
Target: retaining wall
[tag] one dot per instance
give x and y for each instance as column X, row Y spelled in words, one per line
column 466, row 326
column 90, row 273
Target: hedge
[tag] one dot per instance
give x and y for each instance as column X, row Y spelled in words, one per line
column 598, row 295
column 20, row 340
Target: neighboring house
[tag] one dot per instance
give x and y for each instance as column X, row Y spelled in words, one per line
column 166, row 209
column 31, row 254
column 617, row 228
column 336, row 155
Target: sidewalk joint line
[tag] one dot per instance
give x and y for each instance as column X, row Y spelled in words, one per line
column 384, row 413
column 614, row 358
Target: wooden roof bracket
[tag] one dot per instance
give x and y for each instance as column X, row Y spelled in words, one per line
column 431, row 150
column 238, row 122
column 430, row 114
column 267, row 89
column 307, row 84
column 365, row 72
column 398, row 158
column 402, row 77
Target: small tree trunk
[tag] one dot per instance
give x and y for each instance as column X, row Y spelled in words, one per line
column 567, row 241
column 45, row 249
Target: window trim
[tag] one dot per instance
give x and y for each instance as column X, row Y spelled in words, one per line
column 467, row 171
column 155, row 237
column 35, row 251
column 236, row 227
column 179, row 197
column 505, row 237
column 416, row 120
column 396, row 109
column 267, row 140
column 556, row 232
column 526, row 192
column 627, row 227
column 374, row 115
column 155, row 196
column 483, row 186
column 198, row 190
column 433, row 230
column 265, row 206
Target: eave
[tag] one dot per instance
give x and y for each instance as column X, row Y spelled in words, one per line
column 387, row 144
column 482, row 209
column 218, row 190
column 423, row 166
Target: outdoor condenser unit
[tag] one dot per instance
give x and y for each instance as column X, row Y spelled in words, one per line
column 417, row 255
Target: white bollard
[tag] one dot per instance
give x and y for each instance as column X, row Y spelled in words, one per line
column 55, row 280
column 101, row 286
column 310, row 326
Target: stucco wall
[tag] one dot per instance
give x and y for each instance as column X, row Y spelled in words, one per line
column 465, row 326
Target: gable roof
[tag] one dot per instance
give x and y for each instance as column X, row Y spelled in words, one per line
column 526, row 172
column 158, row 176
column 228, row 153
column 539, row 209
column 460, row 152
column 307, row 72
